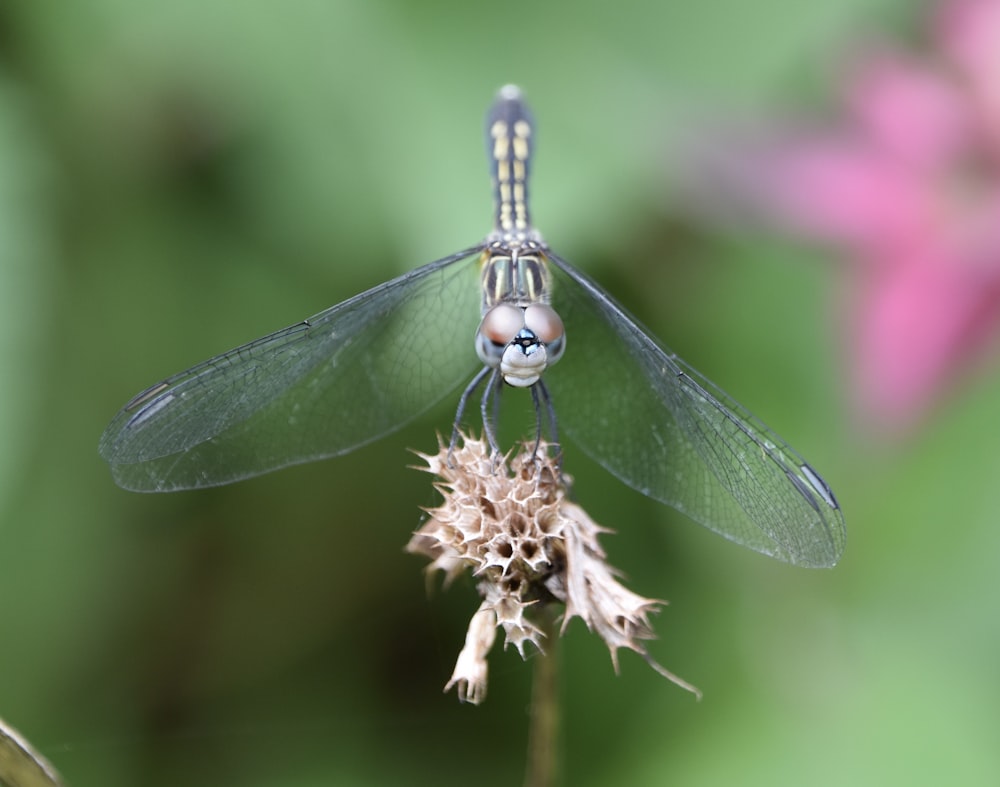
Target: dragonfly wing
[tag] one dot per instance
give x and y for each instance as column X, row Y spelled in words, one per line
column 320, row 388
column 662, row 428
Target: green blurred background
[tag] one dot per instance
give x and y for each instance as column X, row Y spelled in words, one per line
column 177, row 178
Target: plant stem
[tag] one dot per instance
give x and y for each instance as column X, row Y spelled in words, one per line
column 543, row 726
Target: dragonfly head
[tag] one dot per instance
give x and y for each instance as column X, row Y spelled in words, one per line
column 521, row 341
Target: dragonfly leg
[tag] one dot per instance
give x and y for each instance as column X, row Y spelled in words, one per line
column 541, row 397
column 496, row 409
column 538, row 393
column 462, row 404
column 492, row 391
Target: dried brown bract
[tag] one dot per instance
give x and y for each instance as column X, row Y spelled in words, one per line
column 510, row 523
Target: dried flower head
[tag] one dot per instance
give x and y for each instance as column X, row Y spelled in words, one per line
column 511, row 525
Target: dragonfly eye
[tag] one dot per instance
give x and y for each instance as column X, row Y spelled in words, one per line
column 543, row 321
column 498, row 329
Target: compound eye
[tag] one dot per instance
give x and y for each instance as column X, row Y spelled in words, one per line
column 543, row 321
column 501, row 324
column 499, row 327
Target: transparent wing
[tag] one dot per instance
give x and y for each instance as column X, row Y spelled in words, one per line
column 663, row 429
column 333, row 382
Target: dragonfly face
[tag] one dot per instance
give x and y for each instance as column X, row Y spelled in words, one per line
column 365, row 367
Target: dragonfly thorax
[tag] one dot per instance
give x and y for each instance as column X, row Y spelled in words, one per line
column 514, row 272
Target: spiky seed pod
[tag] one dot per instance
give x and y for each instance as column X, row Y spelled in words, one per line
column 510, row 524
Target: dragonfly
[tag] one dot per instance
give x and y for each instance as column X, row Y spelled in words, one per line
column 498, row 313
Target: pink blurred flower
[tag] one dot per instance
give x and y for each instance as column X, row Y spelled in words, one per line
column 908, row 183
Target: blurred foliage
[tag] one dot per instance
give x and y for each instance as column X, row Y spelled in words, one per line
column 176, row 178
